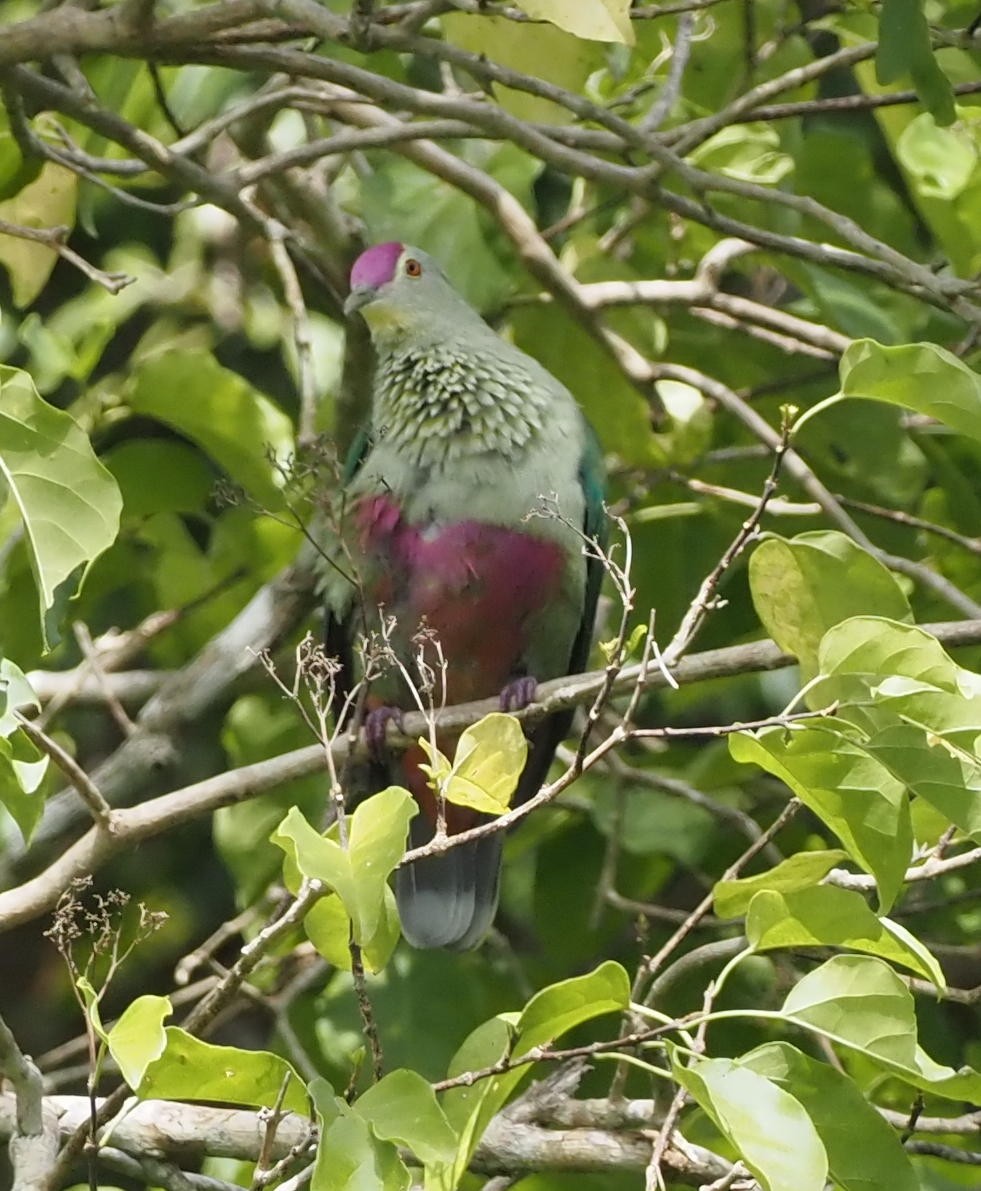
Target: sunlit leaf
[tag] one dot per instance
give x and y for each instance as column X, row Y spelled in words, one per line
column 599, row 20
column 542, row 50
column 826, row 916
column 918, row 376
column 349, row 1157
column 359, row 873
column 941, row 160
column 796, row 872
column 138, row 1037
column 746, row 152
column 863, row 1150
column 328, row 927
column 886, row 673
column 189, row 1069
column 804, row 585
column 402, row 1108
column 22, row 769
column 768, row 1127
column 548, row 1015
column 489, row 759
column 15, row 693
column 935, row 769
column 862, row 1003
column 48, row 201
column 856, row 796
column 68, row 503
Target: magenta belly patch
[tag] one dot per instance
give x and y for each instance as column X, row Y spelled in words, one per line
column 478, row 586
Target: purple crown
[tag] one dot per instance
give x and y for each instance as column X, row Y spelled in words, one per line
column 376, row 265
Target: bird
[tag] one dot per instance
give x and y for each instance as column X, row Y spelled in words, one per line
column 444, row 528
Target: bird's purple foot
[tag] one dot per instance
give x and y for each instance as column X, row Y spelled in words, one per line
column 376, row 725
column 519, row 693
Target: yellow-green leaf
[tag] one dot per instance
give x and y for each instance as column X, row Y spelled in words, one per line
column 68, row 502
column 489, row 759
column 48, row 201
column 597, row 20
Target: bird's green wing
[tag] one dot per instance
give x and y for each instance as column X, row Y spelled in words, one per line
column 337, row 629
column 596, row 528
column 547, row 737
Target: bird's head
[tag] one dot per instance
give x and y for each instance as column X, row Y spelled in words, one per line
column 399, row 290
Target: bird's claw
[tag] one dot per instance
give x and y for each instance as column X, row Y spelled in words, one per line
column 519, row 693
column 376, row 725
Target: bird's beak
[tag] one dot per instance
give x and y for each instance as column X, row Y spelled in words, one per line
column 360, row 296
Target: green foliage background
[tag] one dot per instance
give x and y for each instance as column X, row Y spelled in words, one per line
column 172, row 355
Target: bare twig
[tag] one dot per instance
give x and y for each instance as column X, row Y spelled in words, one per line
column 54, row 238
column 89, row 792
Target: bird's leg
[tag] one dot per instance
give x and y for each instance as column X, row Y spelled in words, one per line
column 519, row 693
column 376, row 725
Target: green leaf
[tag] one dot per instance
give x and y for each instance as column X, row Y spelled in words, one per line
column 862, row 1002
column 220, row 411
column 885, row 673
column 159, row 476
column 68, row 502
column 746, row 152
column 935, row 769
column 22, row 769
column 46, row 202
column 598, row 20
column 315, row 856
column 863, row 1150
column 138, row 1038
column 328, row 927
column 488, row 763
column 189, row 1069
column 905, row 50
column 349, row 1158
column 560, row 1007
column 859, row 1000
column 856, row 796
column 358, row 874
column 732, row 898
column 770, row 1128
column 483, row 1047
column 941, row 160
column 402, row 1108
column 90, row 999
column 22, row 764
column 826, row 916
column 804, row 585
column 871, row 646
column 918, row 376
column 15, row 692
column 549, row 1014
column 15, row 171
column 544, row 51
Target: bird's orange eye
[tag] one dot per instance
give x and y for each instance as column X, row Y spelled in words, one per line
column 413, row 268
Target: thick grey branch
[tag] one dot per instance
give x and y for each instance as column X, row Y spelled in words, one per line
column 31, row 1128
column 183, row 1131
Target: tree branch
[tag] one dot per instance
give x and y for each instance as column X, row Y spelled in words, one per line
column 167, row 811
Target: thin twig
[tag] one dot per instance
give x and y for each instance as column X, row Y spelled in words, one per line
column 89, row 792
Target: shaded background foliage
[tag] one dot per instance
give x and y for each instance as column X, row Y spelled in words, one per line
column 200, row 371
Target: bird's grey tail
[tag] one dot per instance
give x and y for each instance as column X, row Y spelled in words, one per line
column 449, row 900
